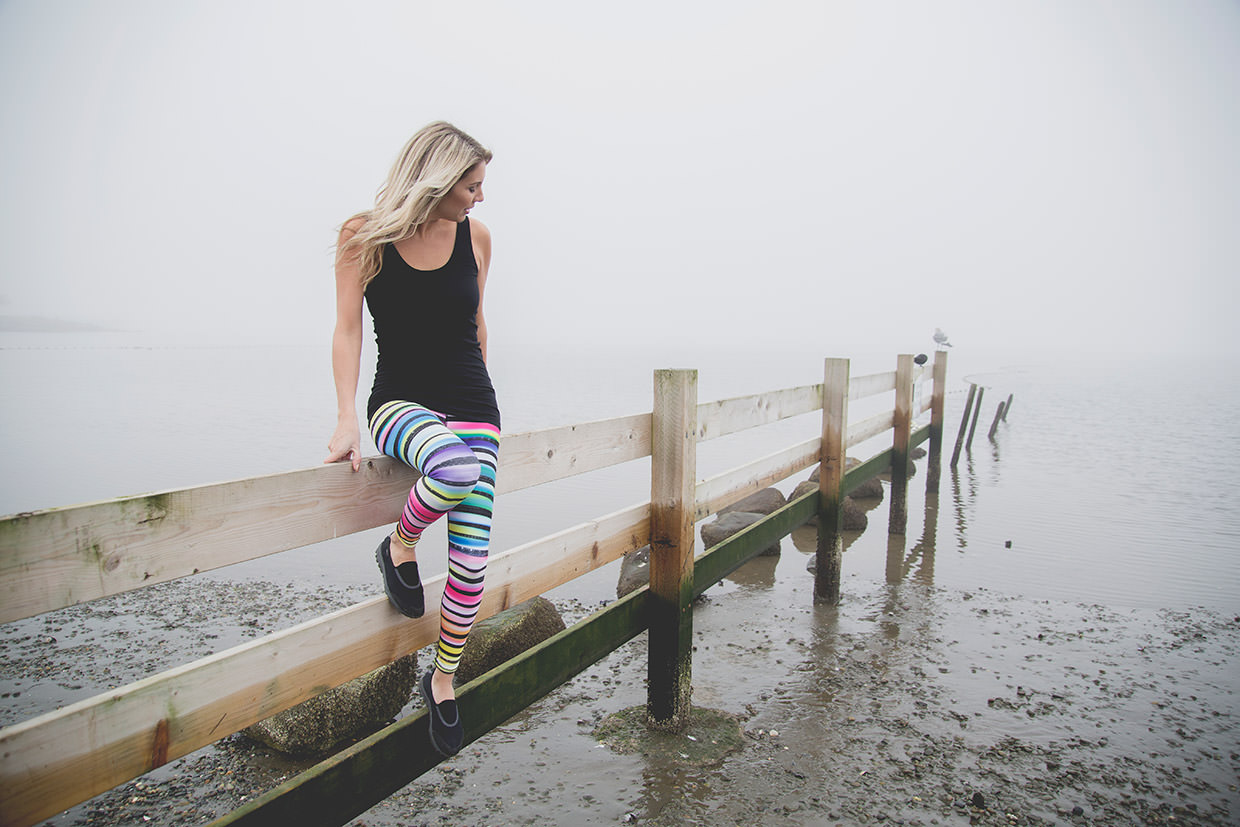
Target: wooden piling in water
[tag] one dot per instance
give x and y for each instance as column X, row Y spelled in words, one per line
column 977, row 409
column 672, row 489
column 1007, row 407
column 902, row 426
column 994, row 426
column 964, row 423
column 938, row 396
column 831, row 482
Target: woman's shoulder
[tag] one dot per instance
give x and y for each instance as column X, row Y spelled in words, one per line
column 480, row 236
column 478, row 230
column 351, row 227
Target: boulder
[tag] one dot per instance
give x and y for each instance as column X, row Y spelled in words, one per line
column 871, row 489
column 342, row 715
column 730, row 523
column 634, row 571
column 766, row 501
column 855, row 518
column 504, row 636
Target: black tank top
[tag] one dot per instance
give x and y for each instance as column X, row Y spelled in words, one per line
column 426, row 330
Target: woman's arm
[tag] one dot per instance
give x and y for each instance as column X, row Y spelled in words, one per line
column 482, row 252
column 347, row 353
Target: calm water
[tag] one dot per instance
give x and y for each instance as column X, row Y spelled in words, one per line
column 1112, row 480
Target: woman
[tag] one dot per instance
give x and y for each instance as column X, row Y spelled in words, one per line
column 420, row 265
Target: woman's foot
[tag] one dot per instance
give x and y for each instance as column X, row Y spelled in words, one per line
column 401, row 582
column 447, row 733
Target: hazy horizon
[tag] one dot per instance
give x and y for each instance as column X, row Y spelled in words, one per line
column 840, row 175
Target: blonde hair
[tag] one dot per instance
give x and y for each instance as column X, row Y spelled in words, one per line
column 430, row 165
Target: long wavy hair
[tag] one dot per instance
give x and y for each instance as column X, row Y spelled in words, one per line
column 432, row 162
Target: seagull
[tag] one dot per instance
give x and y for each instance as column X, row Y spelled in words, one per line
column 940, row 338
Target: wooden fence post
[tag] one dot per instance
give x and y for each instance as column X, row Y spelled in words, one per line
column 964, row 423
column 831, row 481
column 897, row 522
column 938, row 396
column 672, row 484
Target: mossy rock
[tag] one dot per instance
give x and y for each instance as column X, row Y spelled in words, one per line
column 709, row 738
column 342, row 715
column 503, row 636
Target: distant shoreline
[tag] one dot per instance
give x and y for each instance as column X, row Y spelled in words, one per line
column 43, row 324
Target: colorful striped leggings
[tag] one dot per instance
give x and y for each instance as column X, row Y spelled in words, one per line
column 457, row 461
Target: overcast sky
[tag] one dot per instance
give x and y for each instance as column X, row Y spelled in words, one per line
column 835, row 174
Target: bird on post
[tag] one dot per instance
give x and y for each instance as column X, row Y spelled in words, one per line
column 940, row 338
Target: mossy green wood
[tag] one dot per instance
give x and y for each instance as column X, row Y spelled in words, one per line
column 722, row 559
column 354, row 780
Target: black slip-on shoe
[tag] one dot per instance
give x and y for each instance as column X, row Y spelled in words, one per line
column 403, row 586
column 447, row 734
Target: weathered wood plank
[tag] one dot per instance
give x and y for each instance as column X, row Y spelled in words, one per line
column 733, row 485
column 354, row 780
column 869, row 428
column 728, row 416
column 537, row 457
column 56, row 760
column 859, row 387
column 63, row 556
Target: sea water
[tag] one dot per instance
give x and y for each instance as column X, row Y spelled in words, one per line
column 1111, row 481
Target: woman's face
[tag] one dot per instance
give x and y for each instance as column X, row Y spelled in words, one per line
column 461, row 198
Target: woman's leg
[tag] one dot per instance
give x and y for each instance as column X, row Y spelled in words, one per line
column 469, row 539
column 450, row 470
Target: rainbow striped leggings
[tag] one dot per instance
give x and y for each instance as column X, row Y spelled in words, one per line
column 457, row 461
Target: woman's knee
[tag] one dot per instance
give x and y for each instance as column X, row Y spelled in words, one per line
column 457, row 472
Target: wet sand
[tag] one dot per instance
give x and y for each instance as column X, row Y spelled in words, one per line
column 910, row 703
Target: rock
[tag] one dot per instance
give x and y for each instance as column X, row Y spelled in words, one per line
column 634, row 571
column 504, row 636
column 871, row 489
column 917, row 453
column 342, row 715
column 730, row 523
column 766, row 501
column 855, row 518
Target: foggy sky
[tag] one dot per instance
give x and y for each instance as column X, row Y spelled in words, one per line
column 839, row 175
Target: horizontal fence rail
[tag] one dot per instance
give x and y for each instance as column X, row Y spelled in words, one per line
column 58, row 557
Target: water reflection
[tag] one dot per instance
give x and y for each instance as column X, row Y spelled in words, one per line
column 921, row 554
column 758, row 573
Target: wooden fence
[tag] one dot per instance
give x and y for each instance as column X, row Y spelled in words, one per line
column 60, row 557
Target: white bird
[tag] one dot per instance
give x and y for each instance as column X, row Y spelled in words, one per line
column 940, row 338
